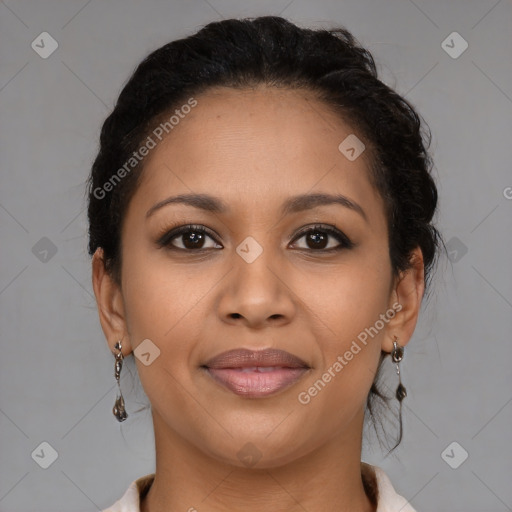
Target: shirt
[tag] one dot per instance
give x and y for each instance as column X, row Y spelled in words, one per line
column 377, row 485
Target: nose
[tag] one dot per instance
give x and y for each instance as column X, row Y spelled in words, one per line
column 257, row 294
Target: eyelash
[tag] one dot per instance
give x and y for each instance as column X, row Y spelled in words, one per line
column 169, row 236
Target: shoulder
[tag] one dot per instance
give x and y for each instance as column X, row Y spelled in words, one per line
column 378, row 485
column 130, row 500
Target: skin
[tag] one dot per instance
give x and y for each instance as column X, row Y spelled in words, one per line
column 254, row 149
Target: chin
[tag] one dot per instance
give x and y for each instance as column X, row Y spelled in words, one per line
column 259, row 450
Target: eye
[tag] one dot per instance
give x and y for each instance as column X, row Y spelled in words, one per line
column 317, row 238
column 192, row 237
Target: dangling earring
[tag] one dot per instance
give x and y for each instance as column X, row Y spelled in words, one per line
column 397, row 355
column 118, row 409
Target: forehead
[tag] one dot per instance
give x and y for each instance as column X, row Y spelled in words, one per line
column 255, row 145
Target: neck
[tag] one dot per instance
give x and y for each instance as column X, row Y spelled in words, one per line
column 328, row 478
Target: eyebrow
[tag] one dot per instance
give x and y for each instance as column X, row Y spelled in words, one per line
column 291, row 205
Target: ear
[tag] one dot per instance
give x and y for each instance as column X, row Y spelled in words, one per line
column 110, row 304
column 406, row 296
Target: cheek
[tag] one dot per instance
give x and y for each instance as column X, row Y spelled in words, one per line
column 157, row 294
column 167, row 304
column 346, row 298
column 162, row 304
column 350, row 351
column 345, row 307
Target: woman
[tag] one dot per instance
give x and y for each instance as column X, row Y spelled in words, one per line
column 261, row 230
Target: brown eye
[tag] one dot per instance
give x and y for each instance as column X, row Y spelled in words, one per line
column 317, row 238
column 195, row 238
column 192, row 238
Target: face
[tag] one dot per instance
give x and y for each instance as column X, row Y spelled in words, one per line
column 310, row 280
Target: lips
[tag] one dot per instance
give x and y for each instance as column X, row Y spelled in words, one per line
column 256, row 374
column 244, row 358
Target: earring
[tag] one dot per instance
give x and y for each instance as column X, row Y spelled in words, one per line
column 118, row 409
column 397, row 355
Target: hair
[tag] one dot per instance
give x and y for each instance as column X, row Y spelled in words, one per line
column 273, row 52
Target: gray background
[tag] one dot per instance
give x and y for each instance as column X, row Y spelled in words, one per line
column 56, row 371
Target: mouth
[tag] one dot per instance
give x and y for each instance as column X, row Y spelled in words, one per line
column 256, row 374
